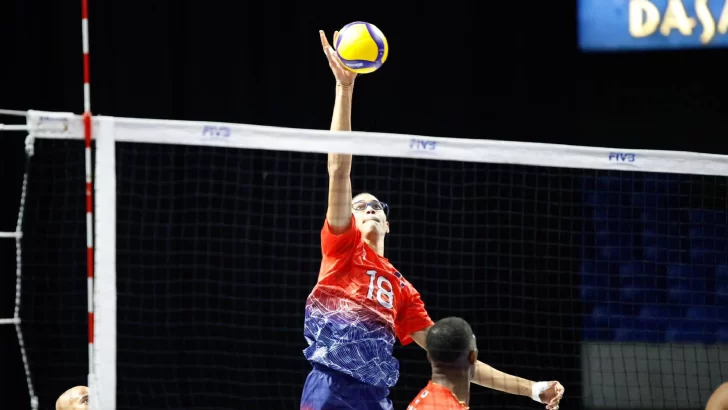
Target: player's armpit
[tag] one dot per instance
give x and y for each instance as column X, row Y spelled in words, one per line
column 336, row 245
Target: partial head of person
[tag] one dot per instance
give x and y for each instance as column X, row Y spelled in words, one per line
column 451, row 347
column 75, row 398
column 371, row 215
column 719, row 399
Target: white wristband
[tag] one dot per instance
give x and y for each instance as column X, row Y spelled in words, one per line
column 537, row 389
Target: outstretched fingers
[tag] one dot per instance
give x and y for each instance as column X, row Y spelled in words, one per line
column 330, row 53
column 324, row 40
column 342, row 74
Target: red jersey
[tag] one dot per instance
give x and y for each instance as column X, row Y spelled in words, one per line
column 358, row 308
column 436, row 397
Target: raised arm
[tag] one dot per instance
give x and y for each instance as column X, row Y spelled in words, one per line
column 338, row 214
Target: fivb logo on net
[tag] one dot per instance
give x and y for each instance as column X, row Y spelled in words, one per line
column 216, row 132
column 622, row 157
column 417, row 144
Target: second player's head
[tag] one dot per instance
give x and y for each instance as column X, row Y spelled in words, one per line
column 370, row 215
column 451, row 346
column 75, row 398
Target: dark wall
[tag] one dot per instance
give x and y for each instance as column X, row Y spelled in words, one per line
column 473, row 70
column 466, row 70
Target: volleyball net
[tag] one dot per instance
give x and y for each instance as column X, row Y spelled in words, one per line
column 605, row 269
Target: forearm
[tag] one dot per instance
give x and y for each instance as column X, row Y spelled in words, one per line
column 341, row 120
column 492, row 378
column 340, row 164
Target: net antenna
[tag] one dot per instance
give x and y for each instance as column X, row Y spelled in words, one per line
column 17, row 235
column 89, row 200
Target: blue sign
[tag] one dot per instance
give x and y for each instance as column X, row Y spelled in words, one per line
column 617, row 25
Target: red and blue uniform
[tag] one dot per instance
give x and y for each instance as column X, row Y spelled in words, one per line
column 359, row 307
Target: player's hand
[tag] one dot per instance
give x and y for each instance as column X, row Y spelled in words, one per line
column 343, row 76
column 552, row 396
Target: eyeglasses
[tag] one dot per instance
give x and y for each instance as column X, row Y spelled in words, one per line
column 361, row 206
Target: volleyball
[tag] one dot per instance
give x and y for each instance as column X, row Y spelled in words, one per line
column 361, row 47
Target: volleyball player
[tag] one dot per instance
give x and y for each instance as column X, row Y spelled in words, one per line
column 361, row 303
column 452, row 353
column 75, row 398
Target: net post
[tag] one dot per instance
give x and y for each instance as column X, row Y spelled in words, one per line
column 104, row 366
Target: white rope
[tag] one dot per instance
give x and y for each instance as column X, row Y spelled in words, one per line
column 14, row 127
column 30, row 145
column 16, row 113
column 29, row 141
column 11, row 235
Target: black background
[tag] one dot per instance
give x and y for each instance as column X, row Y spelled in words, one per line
column 497, row 70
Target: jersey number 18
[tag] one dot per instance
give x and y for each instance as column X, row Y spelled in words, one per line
column 385, row 296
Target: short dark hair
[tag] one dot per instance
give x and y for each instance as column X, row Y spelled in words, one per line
column 449, row 339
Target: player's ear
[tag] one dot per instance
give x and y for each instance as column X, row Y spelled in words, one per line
column 473, row 356
column 387, row 226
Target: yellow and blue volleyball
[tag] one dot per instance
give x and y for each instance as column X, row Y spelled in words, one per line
column 361, row 47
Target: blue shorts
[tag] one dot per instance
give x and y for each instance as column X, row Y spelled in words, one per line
column 327, row 389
